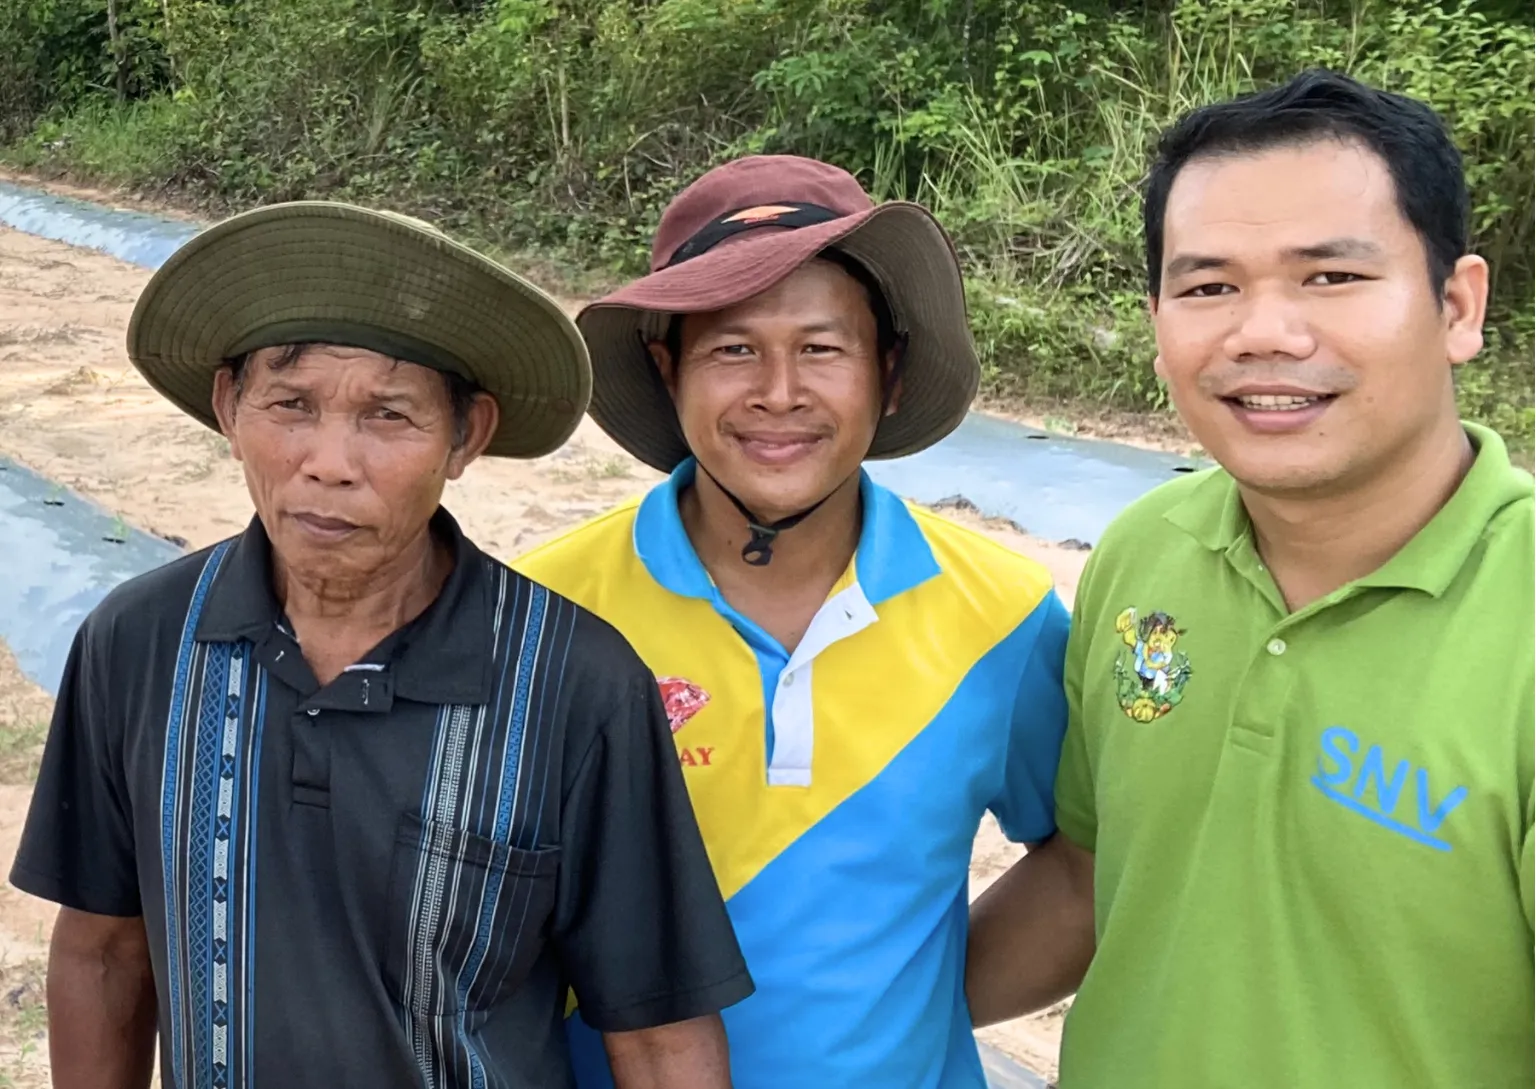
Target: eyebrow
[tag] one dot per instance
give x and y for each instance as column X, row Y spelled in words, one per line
column 827, row 325
column 282, row 387
column 279, row 386
column 1186, row 263
column 1355, row 248
column 1331, row 250
column 831, row 325
column 396, row 393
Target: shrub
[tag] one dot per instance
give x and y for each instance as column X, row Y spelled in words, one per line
column 563, row 126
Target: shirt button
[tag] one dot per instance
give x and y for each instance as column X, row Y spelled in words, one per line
column 789, row 679
column 1276, row 647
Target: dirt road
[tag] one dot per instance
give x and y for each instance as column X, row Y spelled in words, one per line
column 72, row 408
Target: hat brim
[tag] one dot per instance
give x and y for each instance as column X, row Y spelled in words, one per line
column 318, row 270
column 901, row 244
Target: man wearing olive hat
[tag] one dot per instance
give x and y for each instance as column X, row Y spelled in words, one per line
column 343, row 801
column 852, row 683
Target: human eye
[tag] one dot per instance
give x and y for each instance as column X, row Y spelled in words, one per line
column 1207, row 291
column 1334, row 277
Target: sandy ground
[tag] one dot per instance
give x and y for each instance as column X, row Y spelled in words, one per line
column 25, row 923
column 72, row 408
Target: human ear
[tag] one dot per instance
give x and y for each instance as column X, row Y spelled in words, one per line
column 1465, row 306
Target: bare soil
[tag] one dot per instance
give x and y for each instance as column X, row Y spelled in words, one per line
column 25, row 922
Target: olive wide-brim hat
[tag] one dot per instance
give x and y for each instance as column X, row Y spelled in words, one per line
column 740, row 229
column 332, row 273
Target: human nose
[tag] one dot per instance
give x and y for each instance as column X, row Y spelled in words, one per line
column 778, row 388
column 330, row 452
column 1269, row 325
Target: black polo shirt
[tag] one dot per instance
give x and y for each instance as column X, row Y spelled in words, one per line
column 394, row 879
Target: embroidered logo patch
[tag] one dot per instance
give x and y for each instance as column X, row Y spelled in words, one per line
column 683, row 700
column 1150, row 673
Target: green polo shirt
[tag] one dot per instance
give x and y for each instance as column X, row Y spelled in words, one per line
column 1312, row 829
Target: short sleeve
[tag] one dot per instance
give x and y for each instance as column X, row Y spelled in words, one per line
column 642, row 931
column 77, row 846
column 1076, row 812
column 1024, row 806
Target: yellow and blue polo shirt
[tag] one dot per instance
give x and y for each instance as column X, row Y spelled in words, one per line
column 839, row 786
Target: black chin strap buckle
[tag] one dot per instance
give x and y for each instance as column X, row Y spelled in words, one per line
column 758, row 550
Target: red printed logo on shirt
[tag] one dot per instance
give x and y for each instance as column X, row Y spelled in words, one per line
column 683, row 700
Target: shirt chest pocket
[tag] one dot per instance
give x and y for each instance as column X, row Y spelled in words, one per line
column 469, row 916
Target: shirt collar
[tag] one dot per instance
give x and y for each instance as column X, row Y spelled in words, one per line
column 893, row 554
column 443, row 656
column 1437, row 553
column 1214, row 515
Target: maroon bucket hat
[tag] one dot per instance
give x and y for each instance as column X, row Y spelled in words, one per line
column 740, row 229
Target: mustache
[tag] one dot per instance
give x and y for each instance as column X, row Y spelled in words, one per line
column 1327, row 378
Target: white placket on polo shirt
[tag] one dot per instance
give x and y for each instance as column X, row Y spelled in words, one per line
column 794, row 718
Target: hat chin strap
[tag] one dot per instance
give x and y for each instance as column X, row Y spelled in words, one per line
column 758, row 551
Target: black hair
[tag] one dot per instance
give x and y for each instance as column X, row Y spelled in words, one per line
column 461, row 391
column 886, row 334
column 1408, row 136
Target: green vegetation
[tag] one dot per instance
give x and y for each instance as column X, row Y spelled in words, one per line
column 560, row 127
column 21, row 750
column 24, row 1023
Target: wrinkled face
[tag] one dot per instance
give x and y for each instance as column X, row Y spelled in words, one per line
column 346, row 453
column 779, row 396
column 1297, row 327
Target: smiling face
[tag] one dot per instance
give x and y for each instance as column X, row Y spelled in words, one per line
column 779, row 396
column 346, row 453
column 1297, row 327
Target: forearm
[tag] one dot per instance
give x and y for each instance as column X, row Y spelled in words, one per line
column 101, row 1009
column 1031, row 934
column 687, row 1055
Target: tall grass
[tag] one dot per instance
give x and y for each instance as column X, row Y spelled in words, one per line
column 1042, row 195
column 134, row 145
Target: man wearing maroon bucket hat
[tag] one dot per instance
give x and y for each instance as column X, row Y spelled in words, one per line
column 851, row 683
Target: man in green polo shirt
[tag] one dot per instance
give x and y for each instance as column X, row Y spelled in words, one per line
column 1299, row 762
